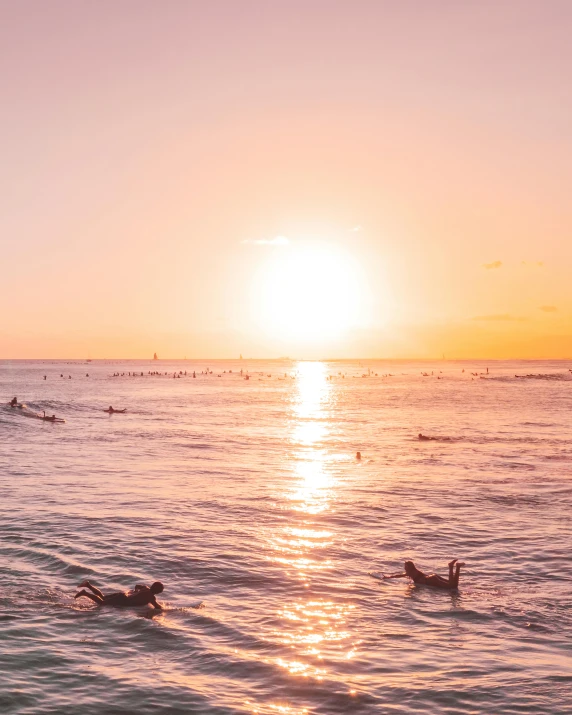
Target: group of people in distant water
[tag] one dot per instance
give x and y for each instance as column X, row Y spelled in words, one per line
column 156, row 373
column 181, row 373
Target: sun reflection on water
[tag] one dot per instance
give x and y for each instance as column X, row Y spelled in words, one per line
column 313, row 628
column 274, row 709
column 310, row 429
column 313, row 390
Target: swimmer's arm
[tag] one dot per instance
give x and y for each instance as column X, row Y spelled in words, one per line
column 395, row 575
column 156, row 605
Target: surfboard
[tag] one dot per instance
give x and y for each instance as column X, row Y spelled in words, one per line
column 377, row 574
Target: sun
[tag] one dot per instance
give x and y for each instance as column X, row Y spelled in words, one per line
column 309, row 294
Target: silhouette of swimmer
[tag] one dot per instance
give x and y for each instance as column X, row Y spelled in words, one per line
column 358, row 455
column 418, row 577
column 426, row 438
column 140, row 596
column 13, row 402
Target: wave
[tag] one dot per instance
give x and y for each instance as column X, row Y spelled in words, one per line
column 566, row 377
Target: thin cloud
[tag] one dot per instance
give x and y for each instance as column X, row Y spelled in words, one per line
column 548, row 308
column 494, row 264
column 499, row 317
column 538, row 264
column 276, row 241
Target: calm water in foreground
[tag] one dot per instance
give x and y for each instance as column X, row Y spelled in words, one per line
column 246, row 496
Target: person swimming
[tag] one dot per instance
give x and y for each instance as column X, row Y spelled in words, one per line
column 425, row 438
column 421, row 579
column 13, row 402
column 140, row 596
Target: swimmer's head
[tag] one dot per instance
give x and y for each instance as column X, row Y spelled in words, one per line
column 156, row 587
column 410, row 569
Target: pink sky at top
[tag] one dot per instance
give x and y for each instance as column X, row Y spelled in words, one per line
column 148, row 146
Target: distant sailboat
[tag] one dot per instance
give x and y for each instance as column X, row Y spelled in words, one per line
column 155, row 356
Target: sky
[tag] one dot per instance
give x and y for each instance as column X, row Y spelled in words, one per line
column 316, row 178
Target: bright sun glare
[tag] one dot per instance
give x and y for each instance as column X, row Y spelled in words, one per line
column 309, row 293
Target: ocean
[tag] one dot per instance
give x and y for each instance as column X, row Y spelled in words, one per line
column 246, row 499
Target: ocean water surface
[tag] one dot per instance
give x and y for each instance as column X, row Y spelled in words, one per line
column 245, row 498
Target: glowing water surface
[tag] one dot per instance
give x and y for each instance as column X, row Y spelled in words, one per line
column 246, row 496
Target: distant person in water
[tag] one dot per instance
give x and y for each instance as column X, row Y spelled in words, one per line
column 425, row 438
column 418, row 577
column 358, row 455
column 13, row 402
column 139, row 596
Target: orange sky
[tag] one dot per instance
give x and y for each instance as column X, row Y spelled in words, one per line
column 152, row 153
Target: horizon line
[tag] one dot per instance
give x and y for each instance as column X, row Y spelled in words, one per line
column 287, row 359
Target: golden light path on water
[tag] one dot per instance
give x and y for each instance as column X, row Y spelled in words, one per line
column 313, row 627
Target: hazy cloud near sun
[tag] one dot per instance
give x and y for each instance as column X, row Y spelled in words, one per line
column 498, row 264
column 276, row 241
column 499, row 317
column 548, row 308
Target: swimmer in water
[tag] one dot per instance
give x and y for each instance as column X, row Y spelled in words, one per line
column 358, row 455
column 140, row 596
column 424, row 437
column 418, row 577
column 13, row 402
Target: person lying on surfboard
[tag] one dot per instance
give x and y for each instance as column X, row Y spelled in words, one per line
column 418, row 577
column 139, row 596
